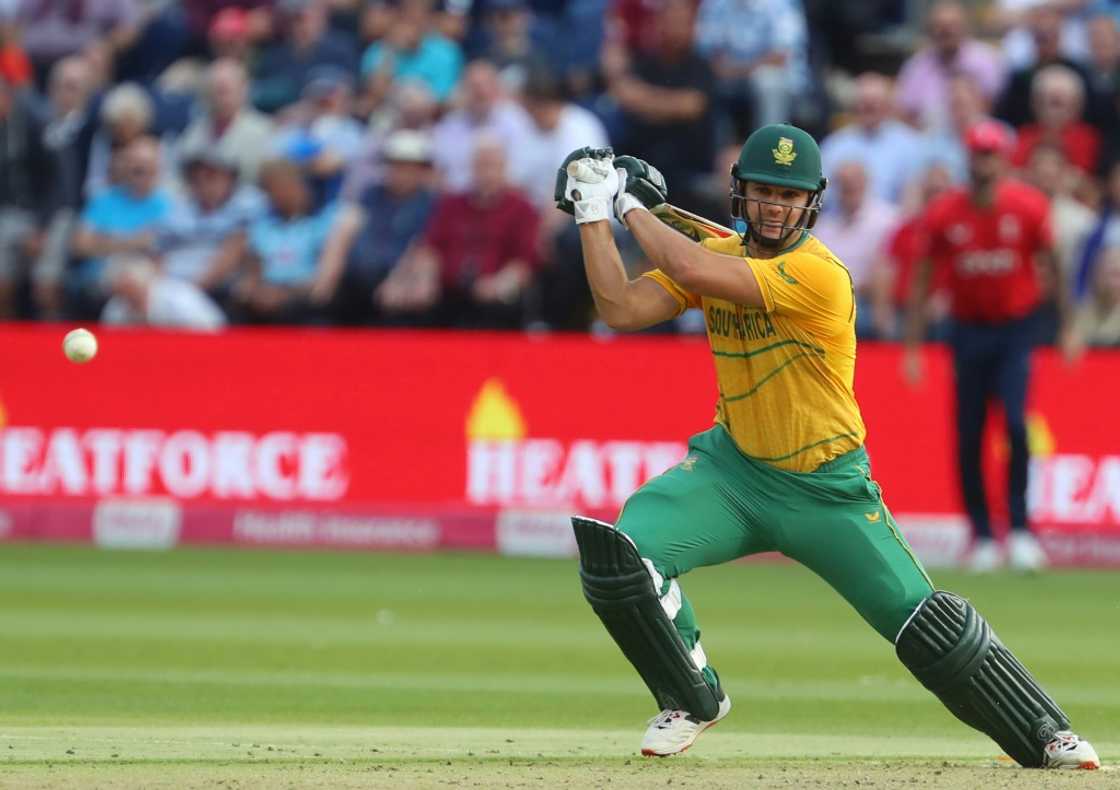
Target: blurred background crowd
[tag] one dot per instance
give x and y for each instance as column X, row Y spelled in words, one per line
column 391, row 162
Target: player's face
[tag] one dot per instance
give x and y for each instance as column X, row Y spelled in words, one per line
column 771, row 207
column 984, row 166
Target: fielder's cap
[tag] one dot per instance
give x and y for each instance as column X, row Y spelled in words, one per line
column 407, row 145
column 230, row 24
column 988, row 136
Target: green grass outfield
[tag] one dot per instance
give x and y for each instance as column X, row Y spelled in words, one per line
column 201, row 668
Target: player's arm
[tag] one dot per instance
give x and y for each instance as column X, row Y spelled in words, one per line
column 622, row 303
column 693, row 267
column 1069, row 341
column 586, row 185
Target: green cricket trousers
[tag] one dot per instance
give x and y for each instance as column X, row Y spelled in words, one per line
column 719, row 505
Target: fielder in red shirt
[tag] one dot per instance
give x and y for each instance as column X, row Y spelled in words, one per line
column 987, row 243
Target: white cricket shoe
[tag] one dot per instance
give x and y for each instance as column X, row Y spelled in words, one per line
column 673, row 731
column 1068, row 750
column 986, row 556
column 1025, row 552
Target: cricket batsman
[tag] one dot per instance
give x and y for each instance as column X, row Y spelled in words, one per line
column 783, row 468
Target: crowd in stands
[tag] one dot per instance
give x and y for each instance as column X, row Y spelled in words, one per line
column 391, row 162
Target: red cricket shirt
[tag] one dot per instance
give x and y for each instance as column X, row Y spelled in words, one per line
column 986, row 253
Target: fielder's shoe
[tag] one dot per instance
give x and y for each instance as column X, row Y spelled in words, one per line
column 986, row 556
column 1067, row 750
column 673, row 731
column 1025, row 552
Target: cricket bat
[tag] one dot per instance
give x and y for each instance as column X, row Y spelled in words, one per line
column 692, row 225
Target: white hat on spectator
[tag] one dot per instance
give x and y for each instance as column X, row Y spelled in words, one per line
column 407, row 145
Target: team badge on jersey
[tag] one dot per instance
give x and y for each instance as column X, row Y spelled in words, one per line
column 784, row 153
column 959, row 234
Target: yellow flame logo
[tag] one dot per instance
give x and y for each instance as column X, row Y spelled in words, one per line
column 494, row 414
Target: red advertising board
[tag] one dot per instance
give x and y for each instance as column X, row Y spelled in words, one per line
column 418, row 441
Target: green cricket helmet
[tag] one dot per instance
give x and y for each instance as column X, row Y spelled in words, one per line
column 784, row 156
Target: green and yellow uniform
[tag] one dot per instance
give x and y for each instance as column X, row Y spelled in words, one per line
column 784, row 467
column 785, row 372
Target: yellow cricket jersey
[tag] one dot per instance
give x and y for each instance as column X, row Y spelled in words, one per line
column 785, row 372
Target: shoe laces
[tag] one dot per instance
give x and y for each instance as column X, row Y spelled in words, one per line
column 665, row 718
column 1063, row 741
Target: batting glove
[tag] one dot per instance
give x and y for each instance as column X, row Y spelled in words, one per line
column 641, row 185
column 586, row 184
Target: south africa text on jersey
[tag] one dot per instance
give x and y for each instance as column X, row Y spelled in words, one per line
column 741, row 324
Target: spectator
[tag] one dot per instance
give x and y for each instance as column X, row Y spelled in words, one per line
column 283, row 68
column 484, row 109
column 120, row 219
column 477, row 255
column 967, row 107
column 557, row 128
column 904, row 248
column 1048, row 170
column 1097, row 316
column 663, row 100
column 759, row 52
column 514, row 42
column 127, row 114
column 52, row 30
column 1104, row 234
column 1012, row 19
column 230, row 35
column 712, row 191
column 142, row 295
column 890, row 151
column 1104, row 74
column 282, row 257
column 1014, row 103
column 632, row 23
column 227, row 123
column 66, row 112
column 98, row 59
column 1058, row 100
column 412, row 49
column 68, row 99
column 374, row 21
column 411, row 106
column 248, row 20
column 372, row 234
column 857, row 232
column 323, row 136
column 924, row 83
column 28, row 177
column 202, row 238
